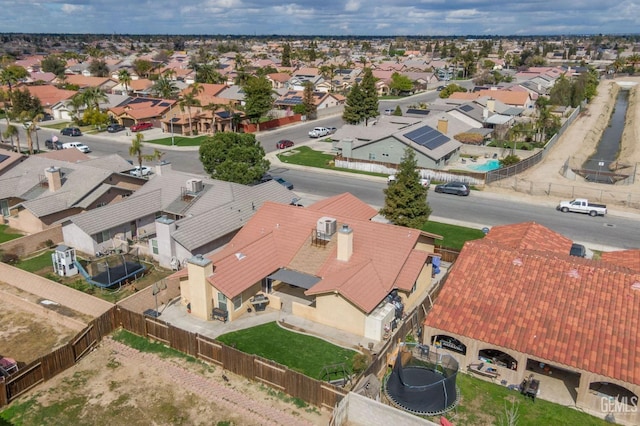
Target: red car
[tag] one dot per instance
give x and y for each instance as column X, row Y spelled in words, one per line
column 284, row 143
column 145, row 125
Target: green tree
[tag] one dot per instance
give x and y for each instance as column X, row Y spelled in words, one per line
column 164, row 88
column 13, row 132
column 370, row 104
column 258, row 98
column 22, row 101
column 560, row 93
column 405, row 202
column 95, row 117
column 449, row 89
column 352, row 113
column 397, row 111
column 207, row 73
column 98, row 68
column 286, row 55
column 135, row 150
column 400, row 83
column 10, row 75
column 30, row 122
column 190, row 99
column 124, row 77
column 233, row 157
column 142, row 67
column 92, row 96
column 308, row 100
column 54, row 64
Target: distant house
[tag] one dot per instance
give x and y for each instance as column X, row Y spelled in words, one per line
column 328, row 263
column 532, row 309
column 386, row 140
column 51, row 97
column 172, row 217
column 41, row 191
column 135, row 110
column 321, row 100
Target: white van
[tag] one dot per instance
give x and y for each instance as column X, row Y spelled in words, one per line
column 78, row 145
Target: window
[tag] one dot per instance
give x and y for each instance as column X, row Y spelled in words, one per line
column 222, row 301
column 237, row 302
column 415, row 285
column 103, row 236
column 154, row 246
column 101, row 204
column 4, row 208
column 372, row 156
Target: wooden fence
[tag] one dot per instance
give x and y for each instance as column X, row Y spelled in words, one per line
column 57, row 361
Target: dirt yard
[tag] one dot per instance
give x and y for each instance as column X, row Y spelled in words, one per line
column 116, row 384
column 581, row 139
column 26, row 336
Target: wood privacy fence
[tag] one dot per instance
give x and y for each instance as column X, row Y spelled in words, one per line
column 252, row 367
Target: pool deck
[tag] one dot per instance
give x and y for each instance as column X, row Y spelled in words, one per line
column 468, row 164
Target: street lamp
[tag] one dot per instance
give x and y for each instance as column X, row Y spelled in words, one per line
column 173, row 142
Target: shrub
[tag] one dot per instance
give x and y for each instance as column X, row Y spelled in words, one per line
column 10, row 258
column 359, row 363
column 509, row 160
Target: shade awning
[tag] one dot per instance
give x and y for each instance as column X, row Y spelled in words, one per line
column 294, row 278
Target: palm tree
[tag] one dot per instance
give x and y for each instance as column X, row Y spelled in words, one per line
column 30, row 124
column 75, row 106
column 93, row 96
column 135, row 150
column 10, row 133
column 633, row 60
column 164, row 88
column 125, row 78
column 190, row 99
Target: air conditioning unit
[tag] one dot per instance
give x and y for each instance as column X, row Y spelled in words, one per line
column 195, row 185
column 327, row 226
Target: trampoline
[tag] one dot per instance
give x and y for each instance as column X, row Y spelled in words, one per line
column 112, row 270
column 422, row 383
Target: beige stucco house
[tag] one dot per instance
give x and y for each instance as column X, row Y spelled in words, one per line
column 328, row 263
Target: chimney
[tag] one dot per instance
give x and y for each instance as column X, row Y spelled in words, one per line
column 54, row 178
column 163, row 167
column 443, row 125
column 491, row 105
column 198, row 292
column 485, row 113
column 345, row 243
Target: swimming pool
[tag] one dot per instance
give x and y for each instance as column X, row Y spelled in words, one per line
column 486, row 167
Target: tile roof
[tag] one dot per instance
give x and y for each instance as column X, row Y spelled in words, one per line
column 380, row 252
column 627, row 258
column 576, row 312
column 346, row 205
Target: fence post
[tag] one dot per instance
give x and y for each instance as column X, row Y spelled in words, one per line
column 549, row 189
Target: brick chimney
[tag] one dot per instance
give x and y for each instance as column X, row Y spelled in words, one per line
column 199, row 292
column 443, row 125
column 54, row 178
column 345, row 243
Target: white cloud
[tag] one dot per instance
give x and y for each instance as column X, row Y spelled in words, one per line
column 352, row 6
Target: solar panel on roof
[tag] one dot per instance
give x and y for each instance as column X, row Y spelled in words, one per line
column 3, row 157
column 428, row 137
column 466, row 108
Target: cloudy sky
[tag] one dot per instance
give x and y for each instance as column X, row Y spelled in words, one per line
column 322, row 17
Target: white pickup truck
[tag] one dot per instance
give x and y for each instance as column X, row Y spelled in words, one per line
column 582, row 205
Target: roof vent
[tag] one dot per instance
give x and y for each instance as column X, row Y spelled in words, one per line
column 517, row 262
column 573, row 273
column 240, row 256
column 635, row 286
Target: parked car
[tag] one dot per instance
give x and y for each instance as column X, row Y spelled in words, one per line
column 50, row 144
column 71, row 131
column 455, row 188
column 284, row 183
column 266, row 178
column 145, row 125
column 388, row 111
column 332, row 130
column 440, row 88
column 424, row 182
column 284, row 143
column 578, row 250
column 77, row 145
column 318, row 132
column 582, row 205
column 115, row 127
column 140, row 171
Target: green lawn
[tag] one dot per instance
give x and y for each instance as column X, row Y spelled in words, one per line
column 7, row 234
column 483, row 402
column 305, row 156
column 178, row 140
column 454, row 236
column 36, row 263
column 305, row 354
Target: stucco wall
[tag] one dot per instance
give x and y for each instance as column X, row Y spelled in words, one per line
column 31, row 243
column 335, row 311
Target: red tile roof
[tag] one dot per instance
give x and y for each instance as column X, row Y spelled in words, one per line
column 627, row 258
column 572, row 311
column 530, row 236
column 384, row 255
